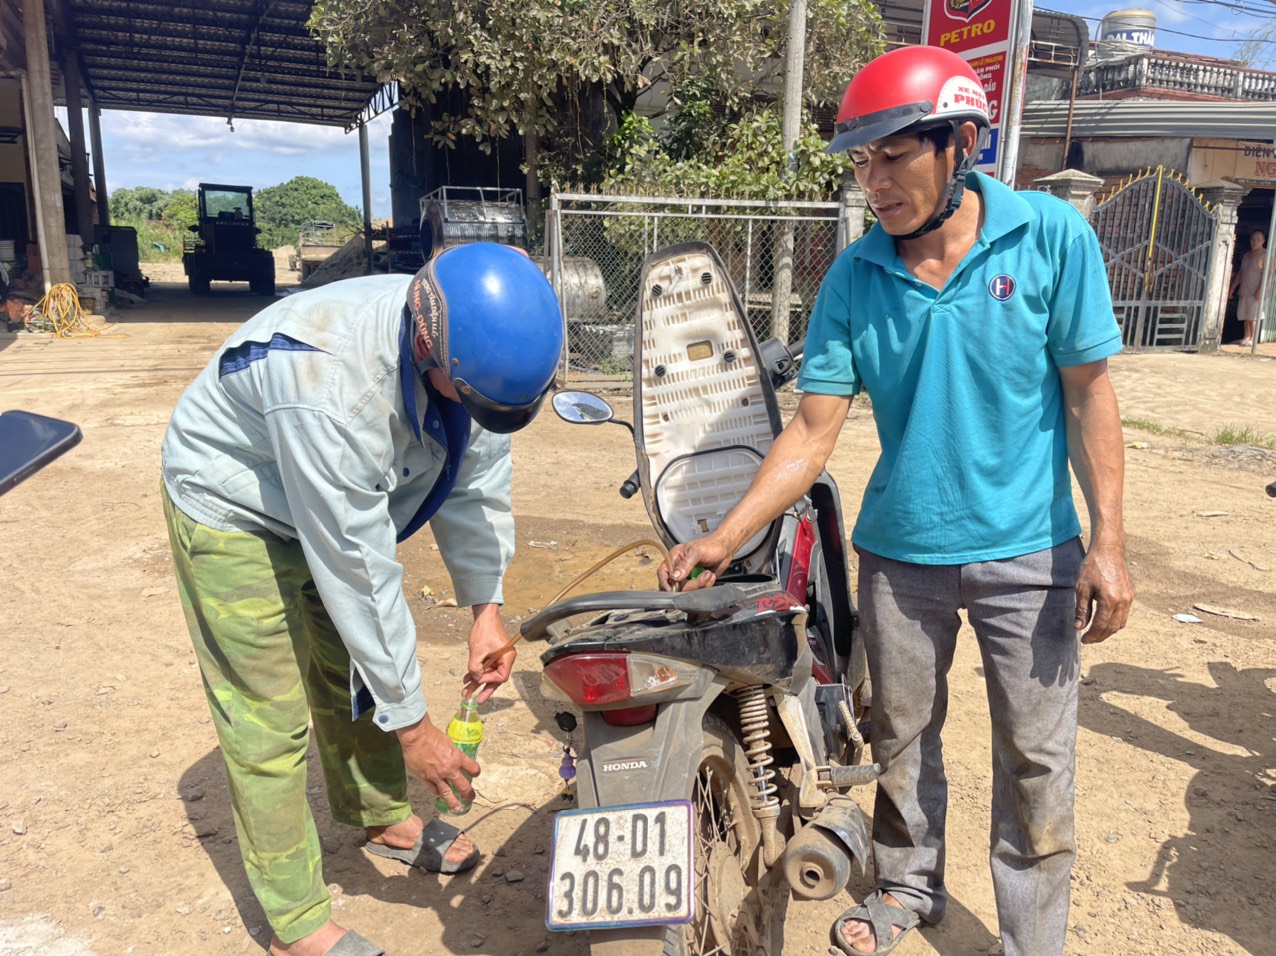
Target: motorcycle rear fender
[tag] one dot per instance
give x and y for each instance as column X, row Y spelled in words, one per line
column 800, row 717
column 844, row 619
column 647, row 763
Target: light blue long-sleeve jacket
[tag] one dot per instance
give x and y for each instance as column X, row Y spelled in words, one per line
column 303, row 425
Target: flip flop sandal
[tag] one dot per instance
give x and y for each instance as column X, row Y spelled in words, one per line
column 883, row 917
column 352, row 944
column 428, row 851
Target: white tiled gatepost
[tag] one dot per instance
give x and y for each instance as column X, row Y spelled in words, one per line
column 1073, row 186
column 1225, row 197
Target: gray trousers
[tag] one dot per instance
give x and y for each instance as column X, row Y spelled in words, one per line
column 1021, row 610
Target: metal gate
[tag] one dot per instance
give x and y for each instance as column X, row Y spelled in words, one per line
column 1156, row 236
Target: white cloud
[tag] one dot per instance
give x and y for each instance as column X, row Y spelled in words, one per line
column 142, row 131
column 170, row 151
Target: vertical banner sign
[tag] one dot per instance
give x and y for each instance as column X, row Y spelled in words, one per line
column 983, row 33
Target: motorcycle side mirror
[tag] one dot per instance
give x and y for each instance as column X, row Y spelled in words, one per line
column 582, row 408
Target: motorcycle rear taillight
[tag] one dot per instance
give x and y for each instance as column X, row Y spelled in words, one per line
column 591, row 679
column 630, row 716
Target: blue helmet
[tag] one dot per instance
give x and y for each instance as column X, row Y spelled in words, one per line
column 493, row 325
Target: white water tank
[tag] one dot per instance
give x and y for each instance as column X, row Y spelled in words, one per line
column 1125, row 33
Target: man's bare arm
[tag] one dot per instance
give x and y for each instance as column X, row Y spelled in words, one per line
column 788, row 471
column 1096, row 448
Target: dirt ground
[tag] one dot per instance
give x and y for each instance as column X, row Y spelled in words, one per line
column 115, row 830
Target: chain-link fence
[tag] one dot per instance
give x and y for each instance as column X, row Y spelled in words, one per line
column 776, row 254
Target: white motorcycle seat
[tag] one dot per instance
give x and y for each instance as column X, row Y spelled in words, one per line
column 704, row 416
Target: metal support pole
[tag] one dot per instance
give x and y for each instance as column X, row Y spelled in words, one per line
column 554, row 244
column 99, row 165
column 1012, row 105
column 79, row 155
column 1072, row 106
column 365, row 172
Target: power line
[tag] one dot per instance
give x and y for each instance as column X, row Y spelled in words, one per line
column 1196, row 36
column 1238, row 7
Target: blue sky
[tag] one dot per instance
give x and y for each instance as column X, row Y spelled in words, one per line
column 1210, row 27
column 169, row 151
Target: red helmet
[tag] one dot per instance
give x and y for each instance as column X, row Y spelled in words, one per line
column 905, row 88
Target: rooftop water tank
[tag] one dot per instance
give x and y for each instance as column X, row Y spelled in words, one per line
column 1124, row 33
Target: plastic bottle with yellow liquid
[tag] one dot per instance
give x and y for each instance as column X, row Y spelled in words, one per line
column 465, row 729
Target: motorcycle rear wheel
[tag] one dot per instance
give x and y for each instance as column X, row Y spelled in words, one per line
column 739, row 909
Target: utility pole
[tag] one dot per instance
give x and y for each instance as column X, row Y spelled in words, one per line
column 794, row 63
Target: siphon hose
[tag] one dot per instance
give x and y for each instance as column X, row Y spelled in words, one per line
column 497, row 654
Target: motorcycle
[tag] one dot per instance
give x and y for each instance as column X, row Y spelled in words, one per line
column 722, row 727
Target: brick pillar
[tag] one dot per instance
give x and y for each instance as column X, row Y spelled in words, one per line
column 1073, row 186
column 1225, row 197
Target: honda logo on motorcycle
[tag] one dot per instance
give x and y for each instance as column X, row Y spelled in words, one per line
column 966, row 9
column 624, row 765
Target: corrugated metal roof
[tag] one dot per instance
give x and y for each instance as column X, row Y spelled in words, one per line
column 1146, row 119
column 238, row 59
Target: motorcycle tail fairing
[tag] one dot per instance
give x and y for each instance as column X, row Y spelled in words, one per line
column 752, row 638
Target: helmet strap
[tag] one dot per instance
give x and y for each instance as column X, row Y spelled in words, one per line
column 956, row 188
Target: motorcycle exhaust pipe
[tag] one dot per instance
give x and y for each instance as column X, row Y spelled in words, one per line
column 817, row 861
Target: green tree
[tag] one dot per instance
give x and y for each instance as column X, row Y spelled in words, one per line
column 741, row 157
column 282, row 210
column 181, row 210
column 140, row 204
column 568, row 71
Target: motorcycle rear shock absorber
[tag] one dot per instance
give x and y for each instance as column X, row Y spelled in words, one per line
column 755, row 725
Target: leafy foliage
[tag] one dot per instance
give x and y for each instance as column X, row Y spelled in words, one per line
column 569, row 71
column 138, row 205
column 743, row 159
column 161, row 218
column 282, row 210
column 181, row 210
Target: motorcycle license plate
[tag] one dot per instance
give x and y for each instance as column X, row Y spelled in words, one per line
column 622, row 866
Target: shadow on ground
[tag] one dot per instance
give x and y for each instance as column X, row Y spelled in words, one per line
column 1203, row 872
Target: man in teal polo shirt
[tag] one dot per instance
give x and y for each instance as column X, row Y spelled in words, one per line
column 979, row 321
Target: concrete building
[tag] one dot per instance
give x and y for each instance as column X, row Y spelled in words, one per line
column 1130, row 107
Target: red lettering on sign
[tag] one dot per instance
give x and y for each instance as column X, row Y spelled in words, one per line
column 1267, row 169
column 773, row 602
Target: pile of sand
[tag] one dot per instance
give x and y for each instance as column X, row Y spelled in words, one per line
column 348, row 262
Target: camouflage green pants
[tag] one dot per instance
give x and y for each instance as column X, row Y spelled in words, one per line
column 272, row 661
